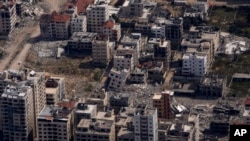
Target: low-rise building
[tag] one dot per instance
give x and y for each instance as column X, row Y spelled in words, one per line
column 98, row 97
column 179, row 132
column 95, row 130
column 56, row 123
column 84, row 111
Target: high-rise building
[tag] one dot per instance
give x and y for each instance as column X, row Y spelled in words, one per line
column 162, row 103
column 56, row 123
column 97, row 14
column 112, row 29
column 78, row 23
column 55, row 25
column 146, row 123
column 101, row 50
column 7, row 18
column 17, row 113
column 37, row 81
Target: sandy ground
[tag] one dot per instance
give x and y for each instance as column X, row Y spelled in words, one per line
column 17, row 62
column 12, row 47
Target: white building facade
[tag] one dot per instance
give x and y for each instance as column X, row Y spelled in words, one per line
column 194, row 64
column 146, row 125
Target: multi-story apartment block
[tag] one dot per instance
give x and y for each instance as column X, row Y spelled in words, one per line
column 17, row 113
column 194, row 64
column 7, row 18
column 174, row 29
column 55, row 25
column 158, row 31
column 119, row 100
column 146, row 124
column 124, row 62
column 162, row 103
column 56, row 123
column 112, row 29
column 98, row 97
column 136, row 8
column 78, row 23
column 161, row 49
column 118, row 78
column 54, row 90
column 100, row 50
column 84, row 111
column 80, row 44
column 97, row 14
column 95, row 130
column 212, row 86
column 38, row 80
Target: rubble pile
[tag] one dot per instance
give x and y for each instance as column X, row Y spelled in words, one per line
column 31, row 10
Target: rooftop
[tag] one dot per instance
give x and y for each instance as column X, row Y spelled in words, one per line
column 101, row 126
column 82, row 5
column 59, row 113
column 109, row 24
column 83, row 36
column 54, row 17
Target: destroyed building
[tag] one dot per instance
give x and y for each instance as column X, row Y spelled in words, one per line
column 212, row 86
column 8, row 18
column 118, row 100
column 80, row 44
column 55, row 25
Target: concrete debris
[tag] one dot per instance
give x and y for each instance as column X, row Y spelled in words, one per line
column 31, row 10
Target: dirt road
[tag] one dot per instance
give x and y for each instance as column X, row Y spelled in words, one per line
column 20, row 58
column 13, row 47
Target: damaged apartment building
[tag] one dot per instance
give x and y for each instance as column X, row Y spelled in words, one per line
column 212, row 86
column 8, row 18
column 199, row 48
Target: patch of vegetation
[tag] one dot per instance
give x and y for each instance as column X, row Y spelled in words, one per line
column 89, row 88
column 97, row 74
column 239, row 89
column 2, row 43
column 1, row 54
column 233, row 20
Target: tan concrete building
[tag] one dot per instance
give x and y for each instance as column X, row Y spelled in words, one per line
column 37, row 79
column 7, row 18
column 162, row 103
column 56, row 123
column 55, row 25
column 54, row 90
column 17, row 113
column 97, row 14
column 112, row 29
column 101, row 50
column 98, row 97
column 95, row 130
column 84, row 111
